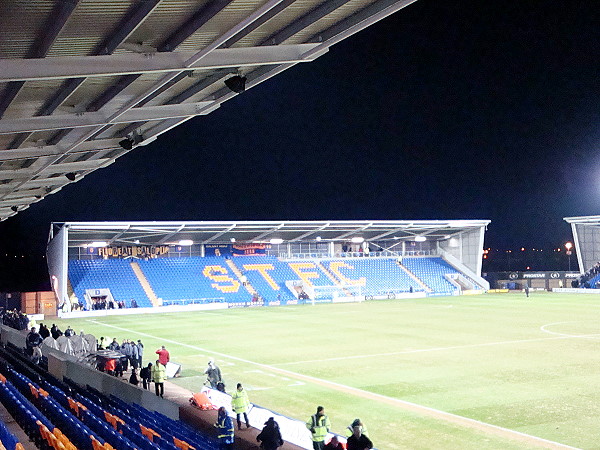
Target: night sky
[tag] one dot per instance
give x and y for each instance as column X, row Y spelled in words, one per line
column 446, row 110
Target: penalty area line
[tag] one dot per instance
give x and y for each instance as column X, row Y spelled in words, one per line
column 477, row 425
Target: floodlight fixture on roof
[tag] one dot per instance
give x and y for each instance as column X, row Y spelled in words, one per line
column 357, row 239
column 186, row 242
column 98, row 244
column 276, row 241
column 420, row 238
column 236, row 84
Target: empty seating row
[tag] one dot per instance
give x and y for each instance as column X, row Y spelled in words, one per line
column 84, row 418
column 114, row 274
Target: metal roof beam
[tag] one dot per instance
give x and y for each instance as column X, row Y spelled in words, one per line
column 54, row 24
column 218, row 235
column 359, row 20
column 193, row 24
column 301, row 23
column 56, row 150
column 88, row 119
column 60, row 168
column 265, row 18
column 134, row 63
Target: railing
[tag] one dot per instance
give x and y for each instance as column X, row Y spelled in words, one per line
column 381, row 254
column 193, row 301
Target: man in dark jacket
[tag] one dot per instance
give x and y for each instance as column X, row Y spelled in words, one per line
column 270, row 436
column 33, row 342
column 146, row 375
column 358, row 441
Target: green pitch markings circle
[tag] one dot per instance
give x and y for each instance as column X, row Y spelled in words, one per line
column 588, row 329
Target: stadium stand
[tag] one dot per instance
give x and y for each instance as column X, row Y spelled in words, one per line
column 217, row 279
column 114, row 274
column 64, row 415
column 432, row 271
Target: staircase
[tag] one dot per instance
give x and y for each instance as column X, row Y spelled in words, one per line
column 145, row 284
column 240, row 276
column 327, row 272
column 415, row 278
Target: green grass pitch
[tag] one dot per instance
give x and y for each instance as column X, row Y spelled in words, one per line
column 512, row 364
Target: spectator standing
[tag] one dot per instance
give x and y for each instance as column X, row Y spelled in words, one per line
column 135, row 355
column 114, row 345
column 133, row 379
column 240, row 403
column 163, row 355
column 358, row 441
column 213, row 374
column 356, row 423
column 33, row 342
column 146, row 376
column 69, row 331
column 140, row 347
column 159, row 376
column 224, row 426
column 270, row 436
column 319, row 425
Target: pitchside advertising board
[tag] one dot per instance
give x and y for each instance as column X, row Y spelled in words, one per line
column 539, row 280
column 557, row 275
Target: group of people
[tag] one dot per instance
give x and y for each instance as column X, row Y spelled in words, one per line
column 14, row 319
column 319, row 426
column 585, row 280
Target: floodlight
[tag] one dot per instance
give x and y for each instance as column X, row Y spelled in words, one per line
column 70, row 176
column 232, row 239
column 236, row 83
column 186, row 242
column 276, row 241
column 319, row 238
column 420, row 238
column 126, row 143
column 14, row 208
column 357, row 240
column 568, row 245
column 98, row 244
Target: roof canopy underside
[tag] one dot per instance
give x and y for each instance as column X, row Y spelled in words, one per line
column 155, row 233
column 82, row 82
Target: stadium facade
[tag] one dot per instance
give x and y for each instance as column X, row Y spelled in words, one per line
column 271, row 262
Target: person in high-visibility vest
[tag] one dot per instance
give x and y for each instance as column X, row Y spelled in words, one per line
column 240, row 403
column 224, row 426
column 319, row 426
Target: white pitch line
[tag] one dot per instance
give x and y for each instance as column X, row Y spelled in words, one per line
column 584, row 336
column 435, row 349
column 414, row 407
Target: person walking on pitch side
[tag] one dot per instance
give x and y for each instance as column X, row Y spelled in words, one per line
column 358, row 441
column 224, row 426
column 213, row 374
column 163, row 355
column 270, row 436
column 319, row 425
column 240, row 404
column 159, row 376
column 356, row 423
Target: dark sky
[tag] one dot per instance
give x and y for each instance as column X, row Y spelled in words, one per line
column 446, row 110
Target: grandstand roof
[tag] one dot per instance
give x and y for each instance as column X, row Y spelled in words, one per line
column 153, row 233
column 588, row 220
column 82, row 82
